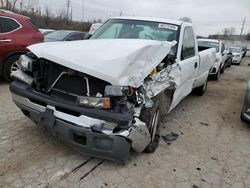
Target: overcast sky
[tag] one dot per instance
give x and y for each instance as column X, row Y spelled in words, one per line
column 209, row 16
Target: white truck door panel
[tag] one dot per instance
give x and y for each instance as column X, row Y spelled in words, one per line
column 188, row 63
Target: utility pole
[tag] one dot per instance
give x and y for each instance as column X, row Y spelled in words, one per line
column 243, row 25
column 67, row 5
column 71, row 14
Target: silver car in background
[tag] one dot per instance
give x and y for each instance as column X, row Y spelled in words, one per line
column 237, row 54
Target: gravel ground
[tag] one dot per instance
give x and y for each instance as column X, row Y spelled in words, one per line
column 212, row 150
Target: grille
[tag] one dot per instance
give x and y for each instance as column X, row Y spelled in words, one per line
column 60, row 81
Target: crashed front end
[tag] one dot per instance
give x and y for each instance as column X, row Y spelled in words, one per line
column 93, row 116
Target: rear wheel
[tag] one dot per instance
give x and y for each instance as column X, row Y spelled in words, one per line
column 151, row 117
column 10, row 66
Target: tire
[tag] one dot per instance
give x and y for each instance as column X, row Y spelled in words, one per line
column 10, row 65
column 151, row 117
column 217, row 76
column 242, row 118
column 199, row 91
column 222, row 69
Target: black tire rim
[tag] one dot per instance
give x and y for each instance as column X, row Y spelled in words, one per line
column 14, row 67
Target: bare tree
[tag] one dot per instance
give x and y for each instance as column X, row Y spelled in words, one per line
column 186, row 19
column 62, row 15
column 13, row 5
column 232, row 30
column 2, row 4
column 47, row 14
column 226, row 31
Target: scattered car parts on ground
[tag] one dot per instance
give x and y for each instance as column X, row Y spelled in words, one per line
column 170, row 137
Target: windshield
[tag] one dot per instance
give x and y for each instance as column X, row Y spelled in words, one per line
column 57, row 35
column 235, row 50
column 135, row 29
column 209, row 44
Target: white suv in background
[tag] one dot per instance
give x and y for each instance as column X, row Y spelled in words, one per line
column 221, row 56
column 237, row 54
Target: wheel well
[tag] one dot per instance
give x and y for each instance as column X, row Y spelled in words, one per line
column 2, row 65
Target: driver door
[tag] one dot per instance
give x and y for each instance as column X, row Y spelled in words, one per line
column 188, row 65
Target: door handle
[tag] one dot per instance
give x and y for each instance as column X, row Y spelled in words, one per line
column 195, row 65
column 5, row 40
column 178, row 65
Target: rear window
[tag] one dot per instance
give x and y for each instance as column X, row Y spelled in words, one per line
column 209, row 44
column 8, row 25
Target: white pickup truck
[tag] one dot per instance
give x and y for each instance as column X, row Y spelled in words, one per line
column 221, row 55
column 104, row 96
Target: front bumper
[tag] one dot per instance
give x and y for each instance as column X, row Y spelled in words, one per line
column 83, row 140
column 236, row 60
column 82, row 132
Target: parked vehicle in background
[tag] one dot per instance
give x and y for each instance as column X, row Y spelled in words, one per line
column 16, row 33
column 103, row 97
column 221, row 56
column 46, row 31
column 64, row 35
column 245, row 50
column 94, row 27
column 229, row 59
column 237, row 54
column 245, row 113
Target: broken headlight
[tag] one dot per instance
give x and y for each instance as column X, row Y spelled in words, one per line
column 115, row 91
column 94, row 102
column 25, row 63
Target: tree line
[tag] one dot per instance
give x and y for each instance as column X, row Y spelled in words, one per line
column 45, row 19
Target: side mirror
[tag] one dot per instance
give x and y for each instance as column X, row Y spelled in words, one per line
column 87, row 36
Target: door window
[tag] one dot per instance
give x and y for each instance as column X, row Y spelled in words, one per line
column 8, row 25
column 188, row 45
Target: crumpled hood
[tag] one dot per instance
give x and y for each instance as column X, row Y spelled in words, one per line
column 121, row 62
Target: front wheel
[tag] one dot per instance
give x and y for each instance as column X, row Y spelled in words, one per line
column 217, row 76
column 222, row 69
column 201, row 89
column 10, row 66
column 151, row 117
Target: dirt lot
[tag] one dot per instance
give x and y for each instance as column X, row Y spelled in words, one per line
column 212, row 150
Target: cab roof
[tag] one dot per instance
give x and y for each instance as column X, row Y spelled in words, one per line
column 163, row 20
